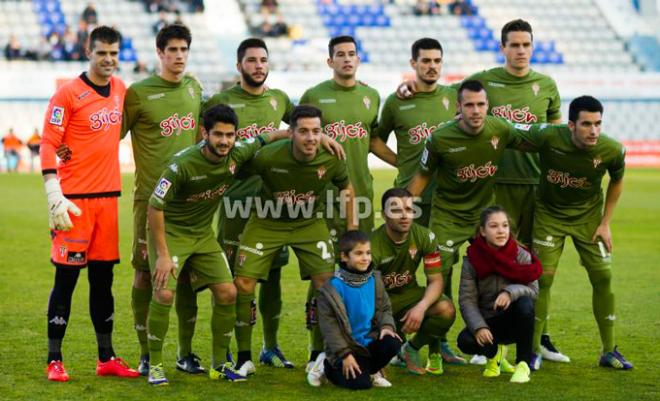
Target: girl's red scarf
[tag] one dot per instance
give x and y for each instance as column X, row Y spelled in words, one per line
column 503, row 261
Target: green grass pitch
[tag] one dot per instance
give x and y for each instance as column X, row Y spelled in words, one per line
column 27, row 278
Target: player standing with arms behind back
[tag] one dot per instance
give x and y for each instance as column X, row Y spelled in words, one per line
column 85, row 113
column 162, row 113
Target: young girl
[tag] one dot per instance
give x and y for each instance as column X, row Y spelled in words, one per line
column 496, row 296
column 356, row 320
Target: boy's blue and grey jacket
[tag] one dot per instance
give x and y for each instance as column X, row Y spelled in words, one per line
column 336, row 328
column 477, row 297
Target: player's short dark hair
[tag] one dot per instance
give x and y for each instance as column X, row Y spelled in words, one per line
column 172, row 31
column 425, row 44
column 220, row 113
column 104, row 34
column 248, row 44
column 350, row 239
column 517, row 25
column 583, row 103
column 471, row 85
column 393, row 193
column 303, row 111
column 338, row 40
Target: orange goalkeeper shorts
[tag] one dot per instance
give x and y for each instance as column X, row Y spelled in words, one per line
column 94, row 236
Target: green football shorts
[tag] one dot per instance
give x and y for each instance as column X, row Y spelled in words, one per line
column 263, row 239
column 201, row 257
column 550, row 235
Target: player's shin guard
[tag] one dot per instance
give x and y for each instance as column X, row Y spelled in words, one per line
column 315, row 336
column 270, row 307
column 102, row 306
column 140, row 298
column 59, row 309
column 186, row 311
column 222, row 324
column 432, row 328
column 158, row 323
column 603, row 305
column 542, row 306
column 246, row 316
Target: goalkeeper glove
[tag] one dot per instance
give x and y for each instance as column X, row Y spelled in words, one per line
column 59, row 207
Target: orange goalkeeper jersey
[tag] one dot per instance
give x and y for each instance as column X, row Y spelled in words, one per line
column 89, row 124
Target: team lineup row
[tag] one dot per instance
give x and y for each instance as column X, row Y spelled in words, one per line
column 179, row 185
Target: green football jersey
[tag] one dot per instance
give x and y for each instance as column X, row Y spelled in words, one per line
column 163, row 118
column 299, row 188
column 191, row 187
column 398, row 263
column 465, row 166
column 257, row 114
column 412, row 121
column 526, row 100
column 571, row 178
column 349, row 116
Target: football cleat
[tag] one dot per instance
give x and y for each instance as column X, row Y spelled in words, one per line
column 614, row 360
column 143, row 366
column 505, row 366
column 378, row 380
column 535, row 362
column 493, row 364
column 247, row 368
column 550, row 352
column 274, row 357
column 190, row 364
column 396, row 361
column 157, row 376
column 434, row 364
column 521, row 373
column 226, row 372
column 56, row 372
column 411, row 357
column 478, row 360
column 449, row 356
column 316, row 374
column 115, row 367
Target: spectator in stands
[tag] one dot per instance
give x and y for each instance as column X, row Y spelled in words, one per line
column 426, row 7
column 197, row 6
column 269, row 7
column 460, row 7
column 83, row 33
column 70, row 46
column 89, row 14
column 279, row 28
column 34, row 143
column 160, row 23
column 13, row 49
column 12, row 146
column 42, row 51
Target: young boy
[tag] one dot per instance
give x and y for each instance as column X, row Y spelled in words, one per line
column 356, row 320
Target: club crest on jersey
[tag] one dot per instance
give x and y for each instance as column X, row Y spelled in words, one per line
column 320, row 172
column 57, row 115
column 445, row 102
column 232, row 168
column 597, row 161
column 241, row 258
column 162, row 188
column 367, row 102
column 62, row 250
column 412, row 251
column 536, row 88
column 495, row 141
column 273, row 104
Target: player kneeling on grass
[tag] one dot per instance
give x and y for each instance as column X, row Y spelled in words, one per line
column 497, row 292
column 356, row 320
column 182, row 239
column 398, row 247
